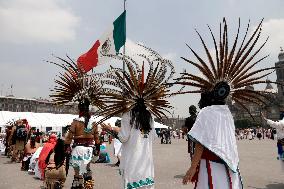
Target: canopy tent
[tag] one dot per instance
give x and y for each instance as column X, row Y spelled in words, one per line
column 55, row 121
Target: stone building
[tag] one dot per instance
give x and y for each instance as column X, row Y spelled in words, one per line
column 275, row 107
column 13, row 104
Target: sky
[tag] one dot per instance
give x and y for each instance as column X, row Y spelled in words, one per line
column 31, row 31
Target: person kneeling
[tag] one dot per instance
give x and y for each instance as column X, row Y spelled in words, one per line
column 55, row 172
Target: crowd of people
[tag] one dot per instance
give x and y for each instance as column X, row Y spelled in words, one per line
column 256, row 133
column 35, row 150
column 45, row 155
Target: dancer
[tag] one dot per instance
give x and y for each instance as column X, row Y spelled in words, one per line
column 137, row 138
column 138, row 101
column 215, row 161
column 84, row 133
column 279, row 126
column 74, row 85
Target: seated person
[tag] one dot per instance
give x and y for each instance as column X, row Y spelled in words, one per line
column 30, row 149
column 55, row 172
column 47, row 147
column 103, row 156
column 34, row 161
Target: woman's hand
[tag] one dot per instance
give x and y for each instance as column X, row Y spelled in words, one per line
column 188, row 176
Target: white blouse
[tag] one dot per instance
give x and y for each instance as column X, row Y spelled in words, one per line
column 136, row 165
column 279, row 126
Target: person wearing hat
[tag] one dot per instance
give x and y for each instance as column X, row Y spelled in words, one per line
column 225, row 76
column 138, row 101
column 75, row 85
column 83, row 132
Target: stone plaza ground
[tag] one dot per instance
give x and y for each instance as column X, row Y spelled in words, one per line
column 258, row 166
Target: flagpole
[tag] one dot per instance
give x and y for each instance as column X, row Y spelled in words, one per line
column 124, row 8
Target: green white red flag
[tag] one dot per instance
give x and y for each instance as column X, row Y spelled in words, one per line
column 109, row 43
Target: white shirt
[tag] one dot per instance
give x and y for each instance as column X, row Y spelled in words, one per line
column 279, row 126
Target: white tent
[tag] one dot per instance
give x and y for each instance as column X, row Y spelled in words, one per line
column 55, row 121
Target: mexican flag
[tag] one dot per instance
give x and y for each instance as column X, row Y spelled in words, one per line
column 109, row 43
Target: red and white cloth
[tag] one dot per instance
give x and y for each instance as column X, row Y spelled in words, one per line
column 214, row 128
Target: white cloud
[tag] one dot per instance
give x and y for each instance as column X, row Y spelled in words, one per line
column 232, row 3
column 29, row 21
column 274, row 29
column 170, row 56
column 132, row 49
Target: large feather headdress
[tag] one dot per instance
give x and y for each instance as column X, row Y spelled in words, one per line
column 232, row 69
column 123, row 89
column 74, row 85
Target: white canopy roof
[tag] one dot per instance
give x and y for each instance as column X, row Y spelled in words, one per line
column 40, row 120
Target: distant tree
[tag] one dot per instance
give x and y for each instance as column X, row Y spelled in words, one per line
column 245, row 123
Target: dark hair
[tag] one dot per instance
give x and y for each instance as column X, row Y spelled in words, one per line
column 117, row 123
column 83, row 107
column 33, row 141
column 59, row 156
column 215, row 97
column 192, row 109
column 207, row 99
column 281, row 115
column 141, row 117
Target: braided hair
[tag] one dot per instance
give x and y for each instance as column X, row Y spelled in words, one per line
column 83, row 107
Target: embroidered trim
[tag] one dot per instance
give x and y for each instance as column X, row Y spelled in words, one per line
column 140, row 183
column 81, row 158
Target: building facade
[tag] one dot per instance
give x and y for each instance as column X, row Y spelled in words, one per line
column 275, row 106
column 13, row 104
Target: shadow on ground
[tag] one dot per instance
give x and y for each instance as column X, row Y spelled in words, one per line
column 271, row 186
column 179, row 176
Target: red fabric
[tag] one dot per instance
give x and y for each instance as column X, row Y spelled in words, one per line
column 48, row 146
column 229, row 176
column 90, row 59
column 210, row 182
column 207, row 155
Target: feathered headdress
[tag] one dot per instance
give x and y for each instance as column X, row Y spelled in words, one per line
column 73, row 85
column 123, row 89
column 232, row 70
